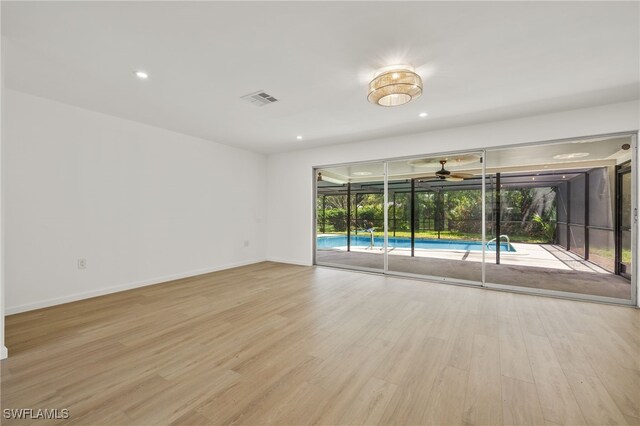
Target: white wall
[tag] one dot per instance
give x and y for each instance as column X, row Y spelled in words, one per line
column 291, row 180
column 141, row 204
column 3, row 349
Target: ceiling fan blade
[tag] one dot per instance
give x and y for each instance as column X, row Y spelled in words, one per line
column 462, row 175
column 454, row 178
column 427, row 176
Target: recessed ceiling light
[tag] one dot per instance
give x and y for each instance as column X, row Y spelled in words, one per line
column 362, row 173
column 299, row 137
column 563, row 176
column 423, row 114
column 141, row 75
column 533, row 178
column 571, row 156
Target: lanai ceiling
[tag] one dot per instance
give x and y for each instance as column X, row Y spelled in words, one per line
column 564, row 156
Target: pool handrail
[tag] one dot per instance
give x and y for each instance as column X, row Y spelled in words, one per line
column 505, row 236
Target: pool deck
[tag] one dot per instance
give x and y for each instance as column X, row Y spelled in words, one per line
column 532, row 265
column 531, row 255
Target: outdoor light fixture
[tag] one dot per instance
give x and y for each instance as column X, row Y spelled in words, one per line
column 393, row 86
column 324, row 178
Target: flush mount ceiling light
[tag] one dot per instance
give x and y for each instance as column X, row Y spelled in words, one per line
column 299, row 137
column 395, row 85
column 571, row 156
column 423, row 114
column 141, row 75
column 363, row 173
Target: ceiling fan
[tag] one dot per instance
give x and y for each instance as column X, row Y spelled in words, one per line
column 444, row 174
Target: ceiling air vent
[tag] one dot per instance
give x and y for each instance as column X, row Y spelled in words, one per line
column 259, row 98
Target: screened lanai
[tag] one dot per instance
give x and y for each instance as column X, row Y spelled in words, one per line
column 550, row 228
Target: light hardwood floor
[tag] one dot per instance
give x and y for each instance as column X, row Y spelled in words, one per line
column 279, row 344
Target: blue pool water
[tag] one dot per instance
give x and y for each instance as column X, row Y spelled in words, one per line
column 332, row 241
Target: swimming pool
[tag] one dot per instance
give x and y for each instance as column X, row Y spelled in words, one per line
column 335, row 241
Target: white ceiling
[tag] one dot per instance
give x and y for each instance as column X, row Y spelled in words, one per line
column 480, row 61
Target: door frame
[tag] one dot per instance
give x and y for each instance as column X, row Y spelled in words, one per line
column 621, row 170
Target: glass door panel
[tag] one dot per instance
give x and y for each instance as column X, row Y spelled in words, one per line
column 350, row 216
column 624, row 231
column 550, row 219
column 435, row 217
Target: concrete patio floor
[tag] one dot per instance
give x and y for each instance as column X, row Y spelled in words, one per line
column 537, row 266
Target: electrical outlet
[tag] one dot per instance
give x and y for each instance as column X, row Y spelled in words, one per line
column 82, row 263
column 246, row 243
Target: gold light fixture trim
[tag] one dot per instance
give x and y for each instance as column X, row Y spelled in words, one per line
column 393, row 86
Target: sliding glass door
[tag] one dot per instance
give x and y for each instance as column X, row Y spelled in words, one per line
column 554, row 218
column 350, row 216
column 435, row 210
column 550, row 223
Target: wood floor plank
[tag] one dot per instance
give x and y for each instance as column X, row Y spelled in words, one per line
column 622, row 383
column 595, row 401
column 289, row 345
column 632, row 421
column 558, row 402
column 521, row 405
column 514, row 360
column 304, row 405
column 571, row 356
column 461, row 343
column 528, row 317
column 370, row 404
column 409, row 402
column 483, row 398
column 445, row 405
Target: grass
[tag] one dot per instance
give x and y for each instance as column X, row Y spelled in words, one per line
column 610, row 253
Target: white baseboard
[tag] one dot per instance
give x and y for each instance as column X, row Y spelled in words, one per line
column 288, row 261
column 4, row 353
column 9, row 310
